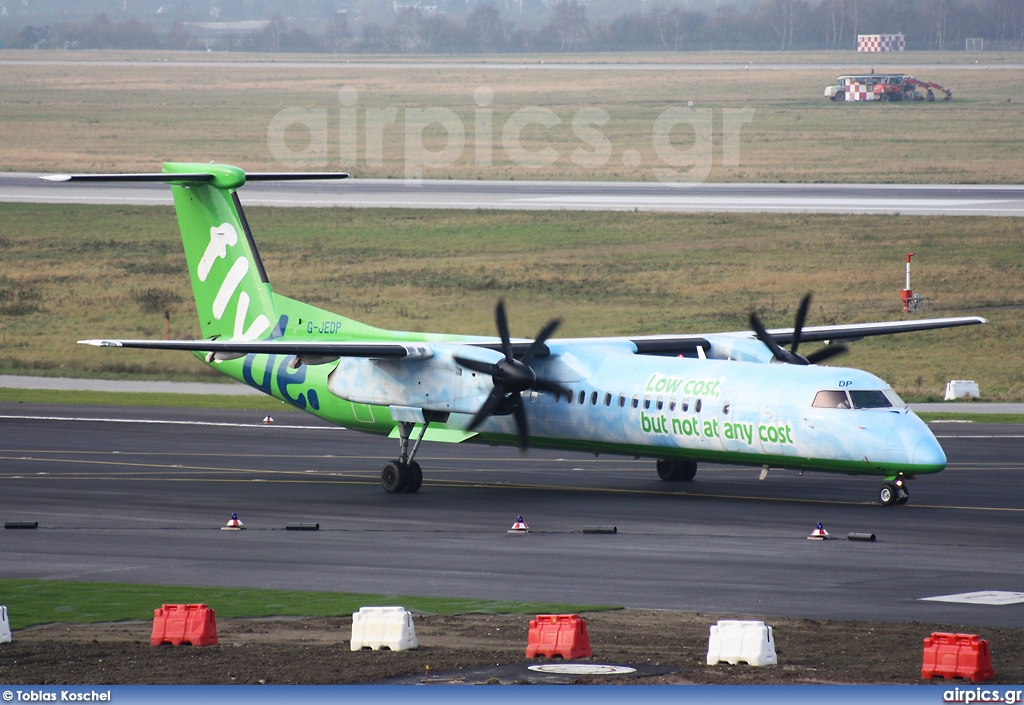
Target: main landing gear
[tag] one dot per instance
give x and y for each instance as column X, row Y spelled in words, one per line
column 404, row 474
column 894, row 490
column 676, row 470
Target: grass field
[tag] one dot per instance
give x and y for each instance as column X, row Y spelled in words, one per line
column 74, row 272
column 90, row 116
column 32, row 602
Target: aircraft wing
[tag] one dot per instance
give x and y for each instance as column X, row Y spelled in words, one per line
column 371, row 349
column 856, row 331
column 378, row 350
column 681, row 344
column 645, row 345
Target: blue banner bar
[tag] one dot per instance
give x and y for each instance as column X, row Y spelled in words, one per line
column 961, row 692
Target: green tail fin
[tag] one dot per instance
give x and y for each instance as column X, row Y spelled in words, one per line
column 234, row 299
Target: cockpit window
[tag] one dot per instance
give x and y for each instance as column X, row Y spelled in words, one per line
column 870, row 399
column 831, row 399
column 894, row 398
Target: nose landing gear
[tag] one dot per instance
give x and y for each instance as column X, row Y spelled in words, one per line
column 894, row 490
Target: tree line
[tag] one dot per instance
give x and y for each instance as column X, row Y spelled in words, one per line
column 768, row 25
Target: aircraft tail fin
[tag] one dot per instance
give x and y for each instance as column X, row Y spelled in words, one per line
column 233, row 296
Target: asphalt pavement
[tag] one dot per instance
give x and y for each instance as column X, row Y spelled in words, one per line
column 140, row 495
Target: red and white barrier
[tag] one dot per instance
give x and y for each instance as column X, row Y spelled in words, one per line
column 881, row 42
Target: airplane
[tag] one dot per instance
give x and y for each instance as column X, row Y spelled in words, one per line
column 677, row 399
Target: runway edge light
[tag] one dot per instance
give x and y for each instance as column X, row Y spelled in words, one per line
column 519, row 527
column 234, row 523
column 819, row 533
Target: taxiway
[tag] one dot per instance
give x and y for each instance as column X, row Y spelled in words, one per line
column 139, row 495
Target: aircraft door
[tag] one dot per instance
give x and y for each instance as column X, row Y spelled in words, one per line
column 768, row 423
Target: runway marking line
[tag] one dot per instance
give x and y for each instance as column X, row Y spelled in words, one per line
column 321, row 479
column 171, row 423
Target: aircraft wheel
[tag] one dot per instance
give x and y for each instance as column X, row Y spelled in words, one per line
column 687, row 470
column 415, row 480
column 887, row 493
column 394, row 477
column 667, row 470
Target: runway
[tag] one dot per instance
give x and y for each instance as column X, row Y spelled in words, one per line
column 961, row 200
column 140, row 497
column 858, row 65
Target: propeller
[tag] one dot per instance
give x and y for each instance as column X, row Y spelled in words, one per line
column 512, row 377
column 791, row 356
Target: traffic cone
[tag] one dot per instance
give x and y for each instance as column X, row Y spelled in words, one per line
column 819, row 533
column 519, row 527
column 234, row 524
column 268, row 419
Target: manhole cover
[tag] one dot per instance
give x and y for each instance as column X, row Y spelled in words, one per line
column 582, row 669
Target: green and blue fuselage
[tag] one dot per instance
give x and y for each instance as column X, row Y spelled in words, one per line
column 711, row 398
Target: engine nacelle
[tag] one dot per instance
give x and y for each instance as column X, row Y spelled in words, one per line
column 436, row 383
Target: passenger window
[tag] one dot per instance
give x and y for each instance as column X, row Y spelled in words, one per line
column 672, row 404
column 636, row 401
column 661, row 403
column 686, row 405
column 725, row 409
column 647, row 402
column 831, row 399
column 696, row 406
column 608, row 399
column 870, row 399
column 568, row 398
column 622, row 400
column 593, row 399
column 583, row 396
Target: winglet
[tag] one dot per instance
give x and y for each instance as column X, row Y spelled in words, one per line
column 96, row 342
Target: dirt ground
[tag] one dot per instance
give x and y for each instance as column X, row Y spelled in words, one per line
column 665, row 647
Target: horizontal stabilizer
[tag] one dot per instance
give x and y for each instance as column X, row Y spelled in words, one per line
column 193, row 178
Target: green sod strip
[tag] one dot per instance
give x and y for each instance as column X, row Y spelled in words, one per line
column 32, row 602
column 975, row 418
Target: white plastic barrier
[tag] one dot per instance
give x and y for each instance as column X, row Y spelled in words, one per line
column 741, row 641
column 5, row 626
column 962, row 389
column 376, row 627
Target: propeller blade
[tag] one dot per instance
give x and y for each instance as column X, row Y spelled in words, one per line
column 780, row 353
column 825, row 353
column 496, row 396
column 502, row 321
column 798, row 326
column 546, row 385
column 484, row 368
column 541, row 338
column 521, row 425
